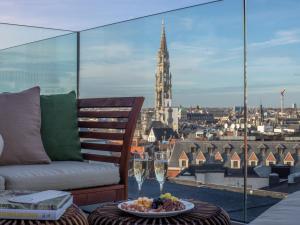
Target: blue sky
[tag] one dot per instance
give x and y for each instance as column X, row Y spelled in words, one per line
column 205, row 46
column 82, row 14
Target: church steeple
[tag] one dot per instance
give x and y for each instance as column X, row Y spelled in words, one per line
column 163, row 40
column 163, row 87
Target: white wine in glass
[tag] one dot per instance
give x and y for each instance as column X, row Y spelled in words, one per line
column 140, row 168
column 161, row 168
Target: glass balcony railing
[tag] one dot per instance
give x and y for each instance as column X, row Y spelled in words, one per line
column 188, row 64
column 49, row 61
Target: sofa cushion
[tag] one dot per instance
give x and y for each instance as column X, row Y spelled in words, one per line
column 20, row 126
column 59, row 127
column 59, row 175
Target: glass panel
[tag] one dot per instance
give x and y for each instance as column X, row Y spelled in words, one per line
column 191, row 82
column 13, row 35
column 274, row 89
column 82, row 16
column 51, row 64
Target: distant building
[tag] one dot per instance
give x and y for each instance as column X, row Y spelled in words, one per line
column 265, row 128
column 182, row 114
column 201, row 117
column 147, row 116
column 230, row 154
column 163, row 87
column 161, row 134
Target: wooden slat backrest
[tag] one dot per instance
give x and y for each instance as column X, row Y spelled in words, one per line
column 118, row 117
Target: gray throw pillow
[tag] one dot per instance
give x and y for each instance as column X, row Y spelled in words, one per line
column 20, row 124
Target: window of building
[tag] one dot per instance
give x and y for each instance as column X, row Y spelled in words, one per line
column 200, row 162
column 253, row 163
column 235, row 164
column 183, row 163
column 235, row 160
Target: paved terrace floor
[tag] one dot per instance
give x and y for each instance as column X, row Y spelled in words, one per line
column 231, row 201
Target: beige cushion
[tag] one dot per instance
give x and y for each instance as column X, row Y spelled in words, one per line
column 20, row 117
column 59, row 175
column 283, row 213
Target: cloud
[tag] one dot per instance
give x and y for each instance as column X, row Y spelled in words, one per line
column 282, row 37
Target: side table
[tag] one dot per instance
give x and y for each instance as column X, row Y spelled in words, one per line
column 203, row 213
column 72, row 216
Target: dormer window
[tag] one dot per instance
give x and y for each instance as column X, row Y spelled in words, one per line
column 253, row 160
column 235, row 161
column 200, row 159
column 183, row 160
column 271, row 160
column 289, row 160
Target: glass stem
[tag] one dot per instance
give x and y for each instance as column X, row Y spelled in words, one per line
column 161, row 186
column 140, row 188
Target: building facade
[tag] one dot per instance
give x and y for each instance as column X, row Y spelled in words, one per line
column 229, row 154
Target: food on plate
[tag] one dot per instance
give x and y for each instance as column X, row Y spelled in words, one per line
column 165, row 203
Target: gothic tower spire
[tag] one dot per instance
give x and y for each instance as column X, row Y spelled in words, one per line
column 163, row 86
column 163, row 40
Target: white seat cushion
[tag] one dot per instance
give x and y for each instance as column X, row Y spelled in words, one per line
column 59, row 175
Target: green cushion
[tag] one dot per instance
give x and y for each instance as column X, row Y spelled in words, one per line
column 59, row 129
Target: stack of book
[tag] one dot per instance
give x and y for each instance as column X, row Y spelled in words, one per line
column 45, row 205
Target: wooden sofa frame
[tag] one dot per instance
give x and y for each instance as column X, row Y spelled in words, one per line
column 119, row 129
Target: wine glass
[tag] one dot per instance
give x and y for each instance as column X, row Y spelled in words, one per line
column 161, row 168
column 140, row 168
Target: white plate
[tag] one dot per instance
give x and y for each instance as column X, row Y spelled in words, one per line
column 188, row 206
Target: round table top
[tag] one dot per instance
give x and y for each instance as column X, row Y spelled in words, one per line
column 203, row 213
column 72, row 216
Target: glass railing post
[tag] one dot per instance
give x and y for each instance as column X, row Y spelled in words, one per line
column 245, row 107
column 78, row 63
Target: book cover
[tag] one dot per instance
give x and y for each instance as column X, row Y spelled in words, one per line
column 51, row 204
column 35, row 214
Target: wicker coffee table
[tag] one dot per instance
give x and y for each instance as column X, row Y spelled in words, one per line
column 203, row 213
column 72, row 216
